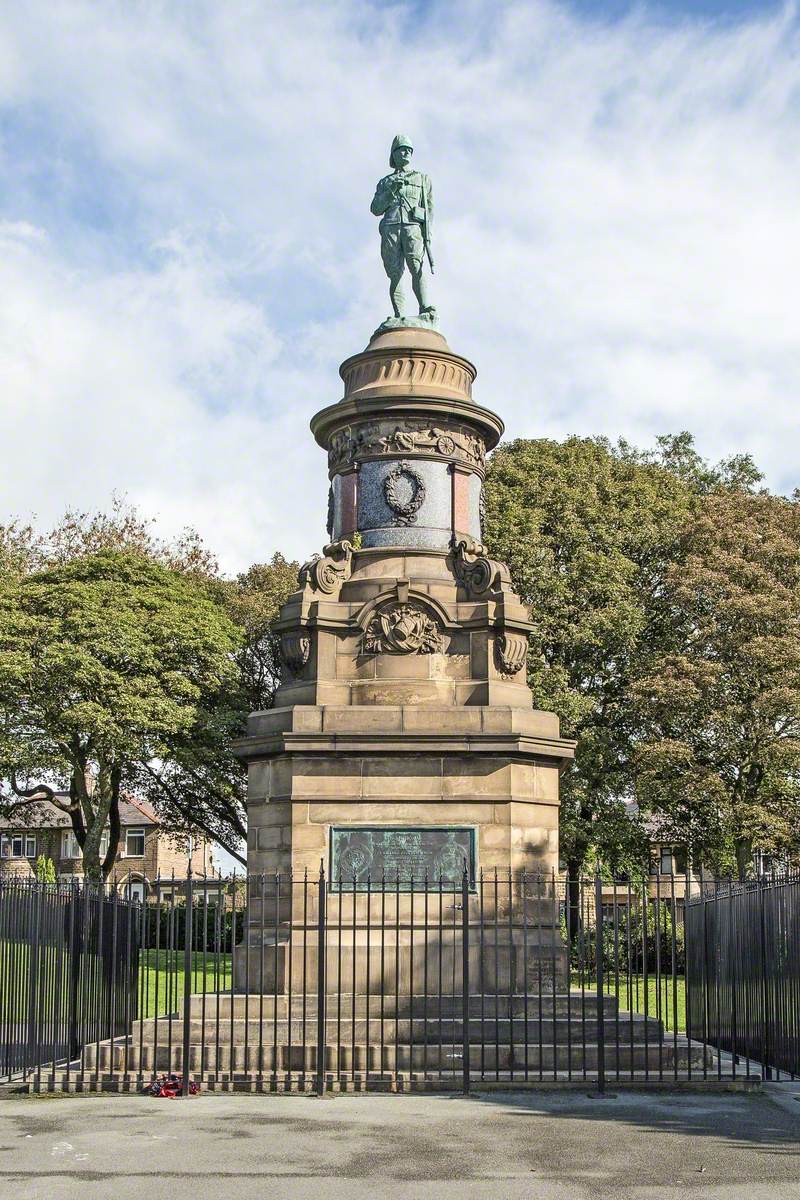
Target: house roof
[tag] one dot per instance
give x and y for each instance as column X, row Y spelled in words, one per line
column 45, row 815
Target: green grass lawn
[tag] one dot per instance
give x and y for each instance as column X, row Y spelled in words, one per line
column 159, row 991
column 162, row 978
column 161, row 982
column 662, row 1002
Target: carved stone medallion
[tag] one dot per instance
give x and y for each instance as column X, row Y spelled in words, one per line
column 404, row 490
column 402, row 629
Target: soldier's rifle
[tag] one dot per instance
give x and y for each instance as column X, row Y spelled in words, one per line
column 426, row 237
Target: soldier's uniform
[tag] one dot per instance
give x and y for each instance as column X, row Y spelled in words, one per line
column 404, row 202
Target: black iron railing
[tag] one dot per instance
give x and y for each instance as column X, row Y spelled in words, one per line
column 273, row 982
column 69, row 961
column 744, row 960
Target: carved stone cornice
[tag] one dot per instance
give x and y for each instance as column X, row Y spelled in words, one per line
column 388, row 413
column 408, row 362
column 327, row 572
column 439, row 374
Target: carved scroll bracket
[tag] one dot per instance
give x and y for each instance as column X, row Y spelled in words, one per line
column 327, row 572
column 478, row 574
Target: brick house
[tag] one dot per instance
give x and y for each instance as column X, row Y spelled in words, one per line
column 144, row 853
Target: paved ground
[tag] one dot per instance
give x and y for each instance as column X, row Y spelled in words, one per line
column 505, row 1147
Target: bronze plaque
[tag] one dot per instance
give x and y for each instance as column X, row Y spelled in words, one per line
column 424, row 857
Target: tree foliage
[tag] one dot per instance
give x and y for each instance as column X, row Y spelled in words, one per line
column 107, row 662
column 204, row 775
column 45, row 869
column 193, row 780
column 719, row 764
column 590, row 531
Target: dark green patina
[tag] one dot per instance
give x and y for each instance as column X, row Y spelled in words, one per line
column 377, row 857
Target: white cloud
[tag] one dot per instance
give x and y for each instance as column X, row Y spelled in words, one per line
column 186, row 252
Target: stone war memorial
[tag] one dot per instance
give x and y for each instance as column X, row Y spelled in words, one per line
column 403, row 920
column 403, row 746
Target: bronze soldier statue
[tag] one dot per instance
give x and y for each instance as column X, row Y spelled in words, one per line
column 404, row 202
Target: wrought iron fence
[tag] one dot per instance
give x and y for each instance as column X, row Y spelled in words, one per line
column 744, row 957
column 69, row 964
column 281, row 983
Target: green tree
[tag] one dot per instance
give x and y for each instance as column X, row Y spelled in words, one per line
column 589, row 531
column 45, row 869
column 202, row 782
column 107, row 661
column 196, row 785
column 720, row 763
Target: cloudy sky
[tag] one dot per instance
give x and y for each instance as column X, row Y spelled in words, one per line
column 187, row 253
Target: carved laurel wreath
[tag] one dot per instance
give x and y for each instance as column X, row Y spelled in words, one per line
column 405, row 510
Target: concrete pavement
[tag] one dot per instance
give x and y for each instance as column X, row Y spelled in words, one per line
column 505, row 1146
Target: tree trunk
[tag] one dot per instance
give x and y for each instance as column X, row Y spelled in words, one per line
column 744, row 857
column 573, row 899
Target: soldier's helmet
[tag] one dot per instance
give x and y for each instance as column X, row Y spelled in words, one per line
column 399, row 139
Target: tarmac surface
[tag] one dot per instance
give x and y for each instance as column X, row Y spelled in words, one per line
column 415, row 1147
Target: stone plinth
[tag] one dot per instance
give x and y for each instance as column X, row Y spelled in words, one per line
column 404, row 701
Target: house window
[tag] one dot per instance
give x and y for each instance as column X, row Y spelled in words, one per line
column 18, row 845
column 71, row 849
column 134, row 843
column 762, row 862
column 69, row 845
column 673, row 860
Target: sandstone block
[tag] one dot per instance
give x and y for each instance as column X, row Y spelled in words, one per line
column 308, row 837
column 545, row 785
column 335, row 776
column 258, row 780
column 450, row 666
column 307, row 719
column 395, row 693
column 404, row 666
column 494, row 836
column 412, row 775
column 362, row 720
column 475, row 777
column 269, row 837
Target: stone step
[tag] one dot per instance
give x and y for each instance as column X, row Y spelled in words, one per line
column 432, row 1058
column 451, row 1080
column 254, row 1006
column 561, row 1030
